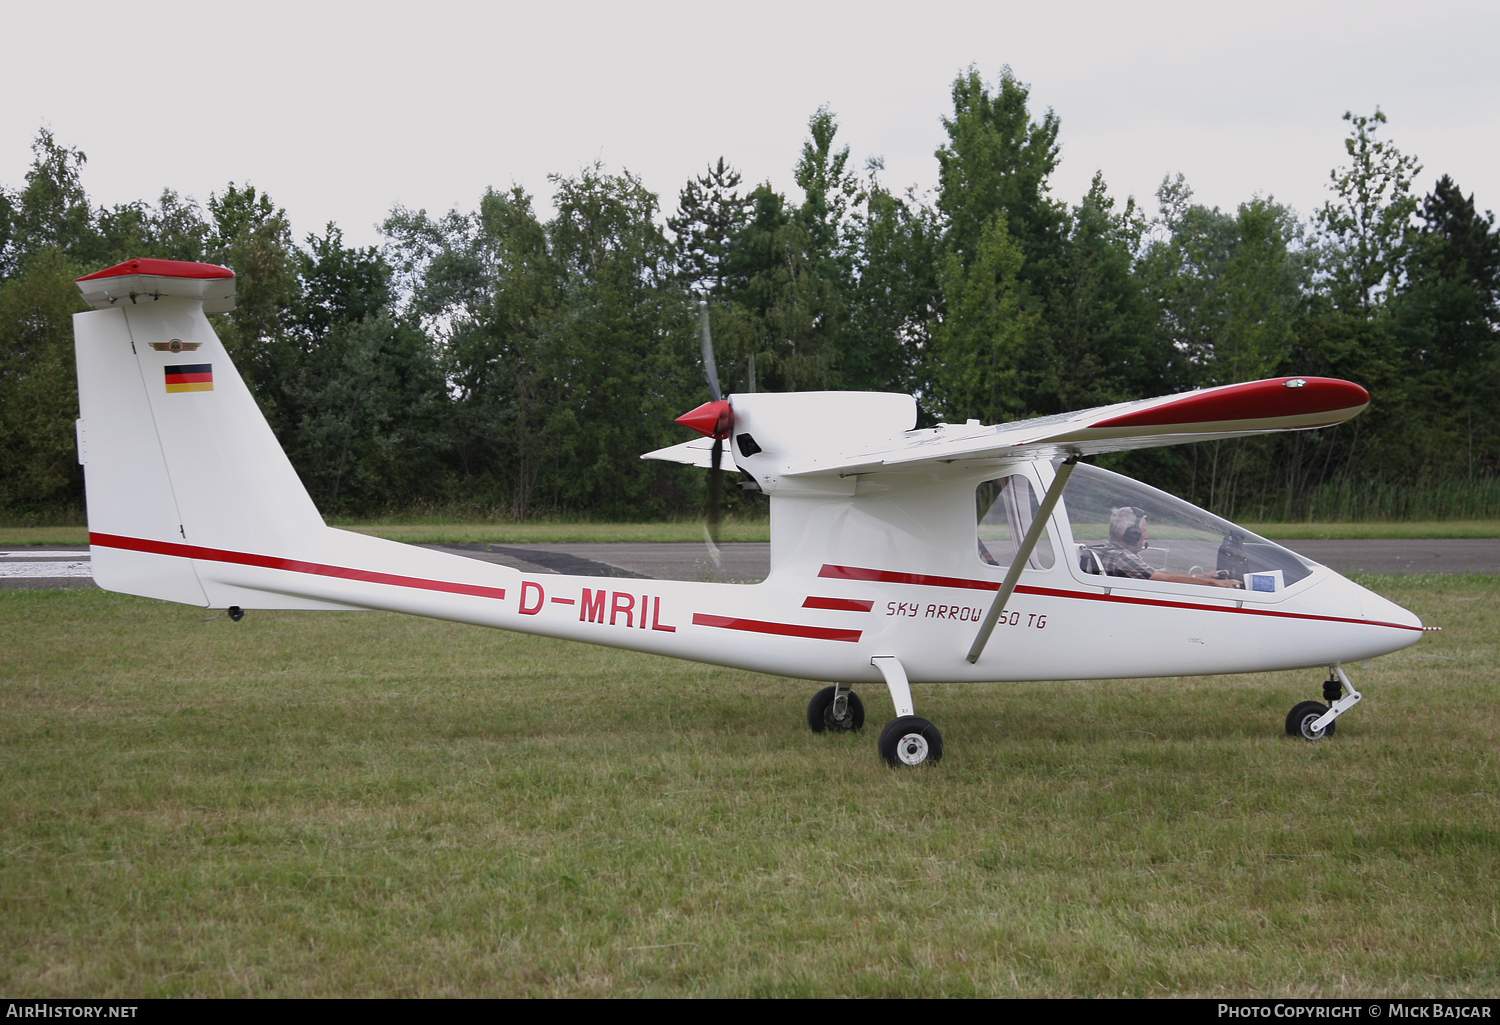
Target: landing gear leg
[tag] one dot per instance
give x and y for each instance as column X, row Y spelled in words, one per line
column 906, row 739
column 835, row 709
column 1312, row 720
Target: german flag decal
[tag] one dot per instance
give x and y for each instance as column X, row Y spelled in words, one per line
column 191, row 377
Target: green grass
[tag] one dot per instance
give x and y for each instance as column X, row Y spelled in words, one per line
column 748, row 530
column 367, row 804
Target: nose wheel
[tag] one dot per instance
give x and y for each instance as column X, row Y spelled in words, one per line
column 1299, row 721
column 1313, row 720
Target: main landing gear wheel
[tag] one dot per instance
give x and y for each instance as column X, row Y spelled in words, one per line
column 910, row 740
column 844, row 715
column 1300, row 719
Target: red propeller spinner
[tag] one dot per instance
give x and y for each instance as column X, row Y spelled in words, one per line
column 712, row 419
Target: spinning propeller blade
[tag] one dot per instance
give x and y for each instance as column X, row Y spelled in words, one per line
column 707, row 339
column 714, row 419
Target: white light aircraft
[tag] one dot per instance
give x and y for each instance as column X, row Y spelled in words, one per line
column 963, row 553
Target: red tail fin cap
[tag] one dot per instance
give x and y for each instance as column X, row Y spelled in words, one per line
column 162, row 269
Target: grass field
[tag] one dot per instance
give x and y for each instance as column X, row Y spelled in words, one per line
column 365, row 804
column 751, row 530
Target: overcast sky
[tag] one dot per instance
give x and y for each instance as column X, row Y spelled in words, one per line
column 340, row 111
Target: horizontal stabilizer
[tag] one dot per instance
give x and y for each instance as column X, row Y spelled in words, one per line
column 698, row 452
column 134, row 280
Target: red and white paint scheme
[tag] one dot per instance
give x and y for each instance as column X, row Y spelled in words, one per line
column 884, row 566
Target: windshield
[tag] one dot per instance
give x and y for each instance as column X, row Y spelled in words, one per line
column 1109, row 512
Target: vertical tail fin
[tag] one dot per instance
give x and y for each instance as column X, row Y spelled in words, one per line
column 176, row 454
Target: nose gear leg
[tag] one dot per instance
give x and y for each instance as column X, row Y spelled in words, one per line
column 840, row 702
column 1338, row 681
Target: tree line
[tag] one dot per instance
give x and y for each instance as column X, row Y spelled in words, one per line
column 499, row 362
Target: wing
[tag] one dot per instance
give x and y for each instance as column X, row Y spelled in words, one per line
column 1230, row 411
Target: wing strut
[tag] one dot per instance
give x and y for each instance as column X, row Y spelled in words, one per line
column 1028, row 543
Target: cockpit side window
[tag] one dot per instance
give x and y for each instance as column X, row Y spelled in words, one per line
column 1005, row 509
column 1125, row 528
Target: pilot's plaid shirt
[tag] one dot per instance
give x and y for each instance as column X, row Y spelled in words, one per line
column 1120, row 562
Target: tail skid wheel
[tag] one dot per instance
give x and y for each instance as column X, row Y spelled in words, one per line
column 1300, row 719
column 910, row 740
column 825, row 714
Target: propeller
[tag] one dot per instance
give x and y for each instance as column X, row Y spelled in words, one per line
column 714, row 419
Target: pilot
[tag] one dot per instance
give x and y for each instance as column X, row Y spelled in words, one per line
column 1127, row 536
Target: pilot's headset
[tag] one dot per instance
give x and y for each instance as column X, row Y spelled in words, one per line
column 1132, row 533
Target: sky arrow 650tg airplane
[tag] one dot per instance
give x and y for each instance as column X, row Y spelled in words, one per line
column 962, row 553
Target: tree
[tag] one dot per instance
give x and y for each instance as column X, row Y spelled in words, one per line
column 828, row 187
column 622, row 343
column 368, row 400
column 791, row 271
column 38, row 386
column 794, row 311
column 52, row 210
column 998, row 160
column 1452, row 283
column 710, row 212
column 1447, row 316
column 895, row 296
column 1099, row 342
column 1228, row 289
column 1367, row 226
column 1230, row 293
column 566, row 345
column 977, row 342
column 483, row 287
column 252, row 237
column 341, row 285
column 1263, row 292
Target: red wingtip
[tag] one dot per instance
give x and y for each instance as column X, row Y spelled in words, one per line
column 712, row 419
column 161, row 268
column 1253, row 400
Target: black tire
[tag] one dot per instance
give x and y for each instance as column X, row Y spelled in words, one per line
column 910, row 740
column 1304, row 712
column 820, row 713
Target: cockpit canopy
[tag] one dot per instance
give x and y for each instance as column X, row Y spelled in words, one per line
column 1178, row 537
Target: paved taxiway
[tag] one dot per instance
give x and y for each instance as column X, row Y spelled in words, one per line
column 68, row 566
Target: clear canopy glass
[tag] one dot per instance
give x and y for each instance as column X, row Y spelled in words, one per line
column 1174, row 536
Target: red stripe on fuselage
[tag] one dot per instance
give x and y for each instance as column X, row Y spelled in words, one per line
column 891, row 577
column 136, row 544
column 819, row 633
column 922, row 579
column 839, row 604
